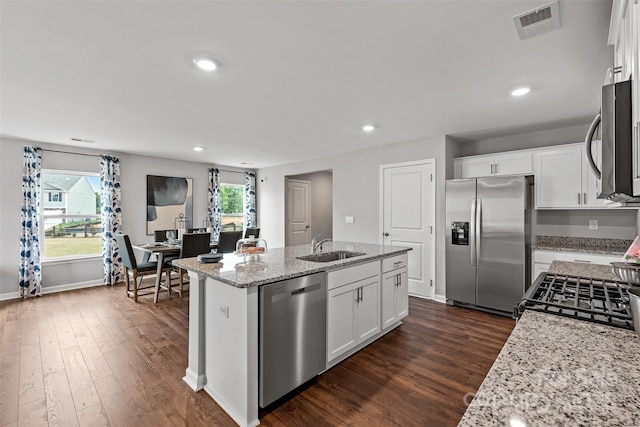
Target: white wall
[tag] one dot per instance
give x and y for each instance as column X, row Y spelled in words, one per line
column 355, row 193
column 60, row 275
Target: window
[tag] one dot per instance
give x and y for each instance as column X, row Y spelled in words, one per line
column 232, row 203
column 70, row 223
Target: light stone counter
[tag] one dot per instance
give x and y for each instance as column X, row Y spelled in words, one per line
column 594, row 271
column 282, row 263
column 558, row 371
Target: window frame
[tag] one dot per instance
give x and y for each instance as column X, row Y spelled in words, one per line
column 42, row 237
column 242, row 196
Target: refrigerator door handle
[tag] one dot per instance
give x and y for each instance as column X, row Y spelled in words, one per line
column 478, row 229
column 472, row 232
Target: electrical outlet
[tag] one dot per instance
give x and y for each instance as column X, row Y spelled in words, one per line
column 349, row 220
column 593, row 224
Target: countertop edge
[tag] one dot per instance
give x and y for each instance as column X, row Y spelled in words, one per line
column 191, row 264
column 593, row 251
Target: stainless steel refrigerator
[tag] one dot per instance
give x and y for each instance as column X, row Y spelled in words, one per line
column 488, row 262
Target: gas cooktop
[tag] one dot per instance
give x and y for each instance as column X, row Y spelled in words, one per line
column 593, row 300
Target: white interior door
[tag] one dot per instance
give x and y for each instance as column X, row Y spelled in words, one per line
column 298, row 212
column 408, row 219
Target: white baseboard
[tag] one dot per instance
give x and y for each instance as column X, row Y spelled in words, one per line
column 54, row 289
column 437, row 298
column 441, row 298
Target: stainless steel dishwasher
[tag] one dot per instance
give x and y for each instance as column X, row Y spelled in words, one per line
column 293, row 334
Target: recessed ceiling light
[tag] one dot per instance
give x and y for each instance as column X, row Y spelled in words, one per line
column 198, row 149
column 520, row 91
column 205, row 63
column 368, row 128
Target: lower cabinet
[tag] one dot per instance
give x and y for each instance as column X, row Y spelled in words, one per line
column 395, row 296
column 353, row 315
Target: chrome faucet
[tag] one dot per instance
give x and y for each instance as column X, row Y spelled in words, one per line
column 315, row 245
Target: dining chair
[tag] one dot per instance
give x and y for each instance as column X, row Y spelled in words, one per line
column 227, row 241
column 161, row 235
column 255, row 232
column 193, row 244
column 138, row 270
column 196, row 230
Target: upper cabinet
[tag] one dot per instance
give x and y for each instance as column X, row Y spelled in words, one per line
column 563, row 178
column 510, row 163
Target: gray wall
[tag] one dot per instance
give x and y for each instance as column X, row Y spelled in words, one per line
column 60, row 275
column 356, row 192
column 612, row 223
column 523, row 140
column 321, row 202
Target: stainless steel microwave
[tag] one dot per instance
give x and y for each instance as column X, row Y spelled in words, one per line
column 614, row 122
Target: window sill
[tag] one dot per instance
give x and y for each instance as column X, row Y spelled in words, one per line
column 71, row 260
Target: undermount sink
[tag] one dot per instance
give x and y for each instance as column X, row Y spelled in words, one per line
column 330, row 256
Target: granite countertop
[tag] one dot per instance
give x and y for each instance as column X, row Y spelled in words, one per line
column 589, row 245
column 558, row 371
column 594, row 271
column 282, row 263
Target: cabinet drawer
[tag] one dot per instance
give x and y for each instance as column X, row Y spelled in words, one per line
column 350, row 274
column 394, row 262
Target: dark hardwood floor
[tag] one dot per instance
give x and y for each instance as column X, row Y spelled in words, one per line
column 94, row 357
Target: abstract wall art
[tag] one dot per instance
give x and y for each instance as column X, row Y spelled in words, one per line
column 167, row 198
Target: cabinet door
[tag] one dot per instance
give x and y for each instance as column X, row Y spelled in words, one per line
column 401, row 295
column 342, row 334
column 368, row 309
column 477, row 166
column 516, row 163
column 388, row 286
column 558, row 181
column 592, row 185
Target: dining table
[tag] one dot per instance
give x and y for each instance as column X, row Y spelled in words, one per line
column 161, row 251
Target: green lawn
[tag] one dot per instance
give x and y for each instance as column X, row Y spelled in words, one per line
column 68, row 246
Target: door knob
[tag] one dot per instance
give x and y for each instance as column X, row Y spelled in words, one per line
column 385, row 234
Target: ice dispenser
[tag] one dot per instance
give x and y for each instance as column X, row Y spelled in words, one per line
column 460, row 233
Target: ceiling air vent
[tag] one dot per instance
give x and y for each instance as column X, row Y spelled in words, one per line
column 538, row 21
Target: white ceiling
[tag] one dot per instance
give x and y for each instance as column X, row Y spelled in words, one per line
column 297, row 78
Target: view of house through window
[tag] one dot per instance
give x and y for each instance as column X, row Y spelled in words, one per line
column 232, row 202
column 70, row 223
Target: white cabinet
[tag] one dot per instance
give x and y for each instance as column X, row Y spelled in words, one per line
column 510, row 163
column 542, row 259
column 563, row 178
column 394, row 287
column 353, row 307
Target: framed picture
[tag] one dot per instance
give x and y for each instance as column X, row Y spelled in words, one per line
column 167, row 198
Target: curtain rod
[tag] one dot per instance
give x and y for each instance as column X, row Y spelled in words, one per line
column 69, row 152
column 227, row 170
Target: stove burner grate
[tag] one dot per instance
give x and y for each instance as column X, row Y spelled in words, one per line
column 594, row 300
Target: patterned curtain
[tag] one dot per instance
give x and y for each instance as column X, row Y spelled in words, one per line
column 249, row 199
column 215, row 209
column 111, row 216
column 30, row 273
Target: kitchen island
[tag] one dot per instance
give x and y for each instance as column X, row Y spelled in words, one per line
column 559, row 371
column 223, row 315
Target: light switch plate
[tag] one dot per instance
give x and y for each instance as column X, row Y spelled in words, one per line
column 349, row 220
column 593, row 224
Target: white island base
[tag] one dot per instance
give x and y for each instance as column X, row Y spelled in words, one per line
column 225, row 364
column 366, row 298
